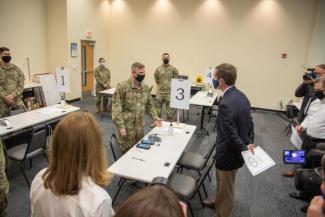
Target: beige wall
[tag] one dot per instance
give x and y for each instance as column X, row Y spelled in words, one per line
column 317, row 45
column 57, row 34
column 85, row 16
column 250, row 34
column 23, row 30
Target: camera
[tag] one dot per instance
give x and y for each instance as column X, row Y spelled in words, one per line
column 309, row 75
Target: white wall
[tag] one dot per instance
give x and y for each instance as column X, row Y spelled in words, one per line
column 23, row 30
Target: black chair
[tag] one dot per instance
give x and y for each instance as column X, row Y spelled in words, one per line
column 196, row 162
column 186, row 187
column 117, row 153
column 292, row 113
column 26, row 151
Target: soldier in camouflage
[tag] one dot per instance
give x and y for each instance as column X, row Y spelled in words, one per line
column 11, row 84
column 103, row 77
column 131, row 101
column 4, row 184
column 163, row 77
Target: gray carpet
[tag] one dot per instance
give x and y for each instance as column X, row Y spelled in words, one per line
column 263, row 195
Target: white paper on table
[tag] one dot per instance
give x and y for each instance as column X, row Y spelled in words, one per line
column 295, row 138
column 50, row 110
column 259, row 162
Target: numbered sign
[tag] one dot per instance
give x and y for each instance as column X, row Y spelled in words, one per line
column 208, row 75
column 63, row 80
column 180, row 94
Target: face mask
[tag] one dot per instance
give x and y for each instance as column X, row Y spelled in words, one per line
column 6, row 59
column 215, row 83
column 139, row 77
column 319, row 94
column 166, row 61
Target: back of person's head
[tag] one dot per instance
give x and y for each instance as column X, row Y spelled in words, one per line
column 77, row 152
column 228, row 72
column 3, row 49
column 157, row 201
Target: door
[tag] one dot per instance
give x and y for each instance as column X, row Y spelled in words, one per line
column 87, row 67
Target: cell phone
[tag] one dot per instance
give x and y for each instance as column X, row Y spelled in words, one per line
column 294, row 157
column 143, row 146
column 147, row 141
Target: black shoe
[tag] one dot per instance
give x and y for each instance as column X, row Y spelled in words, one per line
column 300, row 196
column 304, row 209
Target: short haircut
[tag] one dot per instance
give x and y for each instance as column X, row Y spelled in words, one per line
column 100, row 59
column 2, row 49
column 322, row 66
column 77, row 152
column 137, row 65
column 165, row 54
column 157, row 201
column 228, row 72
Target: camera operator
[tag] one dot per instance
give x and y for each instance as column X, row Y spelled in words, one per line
column 306, row 89
column 314, row 123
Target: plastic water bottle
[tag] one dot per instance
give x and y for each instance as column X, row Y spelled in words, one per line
column 170, row 130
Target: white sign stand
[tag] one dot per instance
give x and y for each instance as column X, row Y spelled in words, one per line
column 180, row 96
column 63, row 82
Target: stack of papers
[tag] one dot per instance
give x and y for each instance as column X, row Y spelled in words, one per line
column 259, row 162
column 295, row 138
column 50, row 110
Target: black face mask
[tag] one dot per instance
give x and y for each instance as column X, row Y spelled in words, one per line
column 319, row 94
column 166, row 61
column 139, row 77
column 6, row 59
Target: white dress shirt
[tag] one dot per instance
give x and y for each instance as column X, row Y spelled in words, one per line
column 311, row 109
column 316, row 124
column 92, row 201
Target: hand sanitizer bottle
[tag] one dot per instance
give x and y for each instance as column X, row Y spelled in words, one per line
column 170, row 130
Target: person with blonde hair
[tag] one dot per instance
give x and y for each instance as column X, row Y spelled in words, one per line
column 72, row 184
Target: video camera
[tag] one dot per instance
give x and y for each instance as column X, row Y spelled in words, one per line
column 309, row 74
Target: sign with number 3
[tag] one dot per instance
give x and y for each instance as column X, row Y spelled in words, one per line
column 180, row 94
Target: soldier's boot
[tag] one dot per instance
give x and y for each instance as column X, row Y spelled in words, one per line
column 98, row 110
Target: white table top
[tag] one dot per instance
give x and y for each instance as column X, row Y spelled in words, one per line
column 35, row 117
column 144, row 165
column 29, row 84
column 108, row 91
column 201, row 98
column 111, row 91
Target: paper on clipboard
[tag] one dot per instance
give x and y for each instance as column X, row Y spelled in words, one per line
column 295, row 138
column 259, row 162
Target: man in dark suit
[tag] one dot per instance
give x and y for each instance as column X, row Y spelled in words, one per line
column 235, row 133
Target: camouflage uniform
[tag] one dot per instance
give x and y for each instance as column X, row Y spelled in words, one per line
column 163, row 77
column 4, row 184
column 129, row 106
column 103, row 77
column 11, row 83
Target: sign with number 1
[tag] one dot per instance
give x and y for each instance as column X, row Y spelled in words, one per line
column 63, row 80
column 180, row 94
